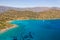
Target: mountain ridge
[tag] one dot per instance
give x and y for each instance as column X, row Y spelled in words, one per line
column 34, row 9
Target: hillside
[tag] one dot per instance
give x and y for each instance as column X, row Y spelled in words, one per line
column 26, row 15
column 13, row 14
column 50, row 14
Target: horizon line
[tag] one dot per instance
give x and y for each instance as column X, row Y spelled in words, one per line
column 29, row 6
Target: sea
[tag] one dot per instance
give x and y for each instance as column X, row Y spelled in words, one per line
column 33, row 30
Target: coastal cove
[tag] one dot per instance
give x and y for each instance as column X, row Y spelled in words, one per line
column 33, row 30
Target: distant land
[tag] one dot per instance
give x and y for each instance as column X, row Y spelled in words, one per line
column 34, row 9
column 35, row 13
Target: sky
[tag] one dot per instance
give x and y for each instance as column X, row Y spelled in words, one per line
column 30, row 3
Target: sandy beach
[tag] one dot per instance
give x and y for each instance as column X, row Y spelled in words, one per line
column 8, row 21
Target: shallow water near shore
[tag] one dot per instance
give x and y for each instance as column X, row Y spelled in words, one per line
column 33, row 30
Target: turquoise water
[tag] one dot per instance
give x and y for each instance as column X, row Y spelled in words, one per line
column 33, row 30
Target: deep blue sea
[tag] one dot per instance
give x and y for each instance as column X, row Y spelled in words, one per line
column 33, row 30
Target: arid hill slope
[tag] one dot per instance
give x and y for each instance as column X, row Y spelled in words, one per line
column 26, row 15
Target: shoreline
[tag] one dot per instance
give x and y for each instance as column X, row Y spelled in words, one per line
column 8, row 21
column 7, row 28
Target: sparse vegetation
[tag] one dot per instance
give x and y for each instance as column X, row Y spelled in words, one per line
column 14, row 15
